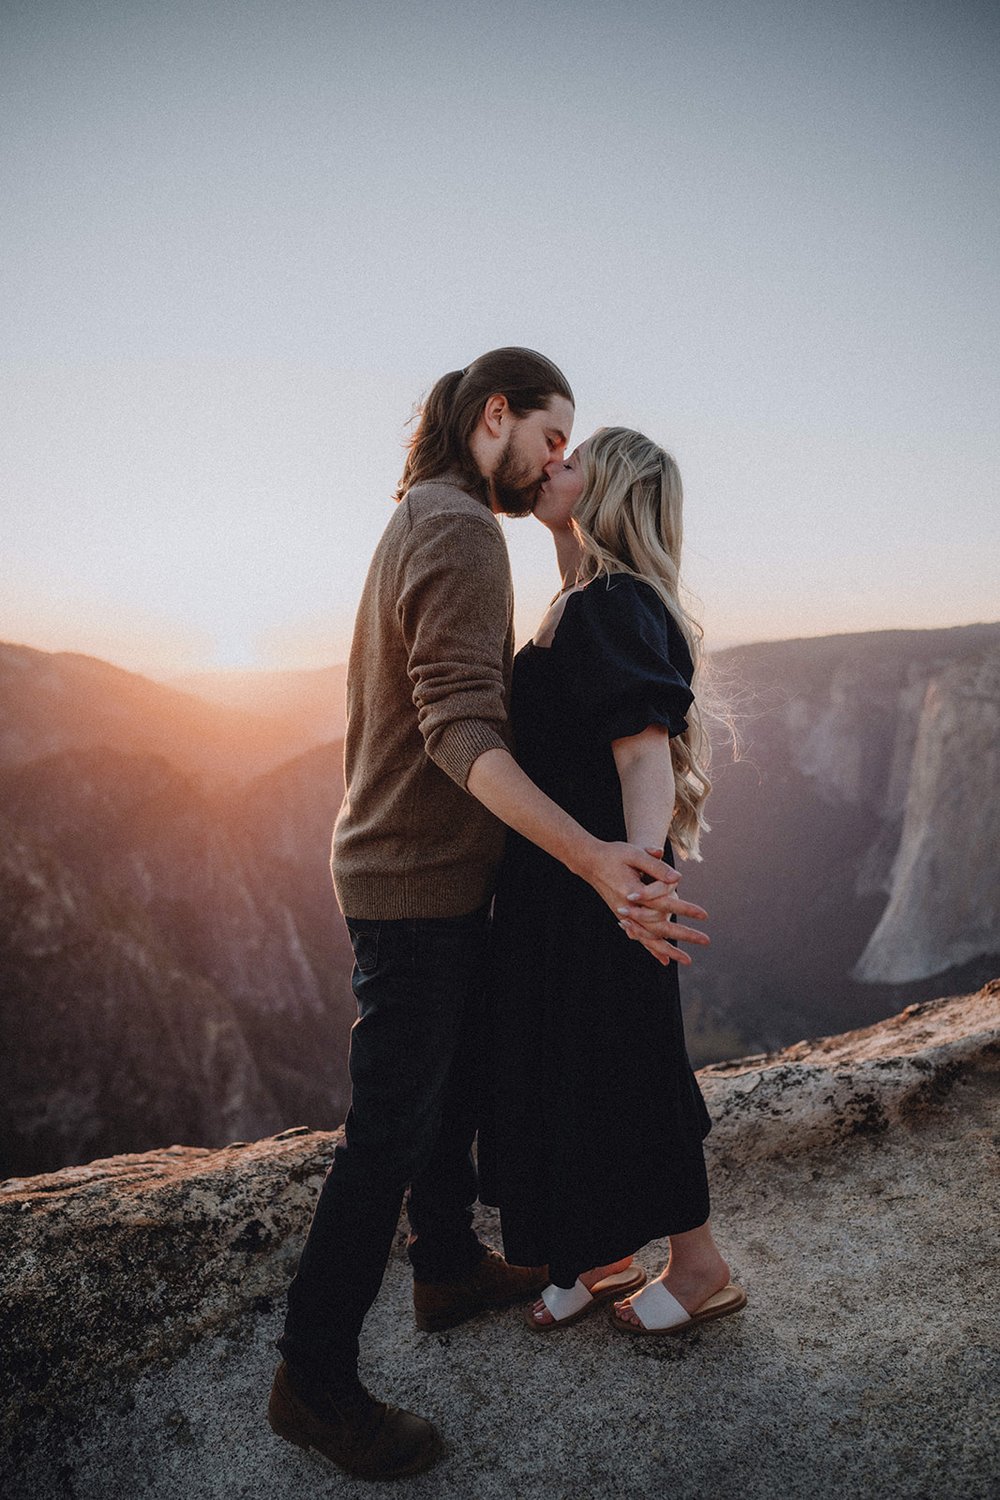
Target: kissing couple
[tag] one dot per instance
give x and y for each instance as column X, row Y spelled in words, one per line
column 502, row 859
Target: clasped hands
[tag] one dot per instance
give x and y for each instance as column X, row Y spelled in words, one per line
column 644, row 910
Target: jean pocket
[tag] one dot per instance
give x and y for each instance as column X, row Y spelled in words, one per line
column 364, row 941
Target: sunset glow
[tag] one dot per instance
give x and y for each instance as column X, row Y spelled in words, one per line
column 765, row 236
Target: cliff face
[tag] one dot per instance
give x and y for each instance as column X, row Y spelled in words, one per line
column 172, row 963
column 944, row 883
column 912, row 738
column 852, row 856
column 107, row 1039
column 141, row 1296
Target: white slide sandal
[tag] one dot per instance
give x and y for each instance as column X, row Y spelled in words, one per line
column 659, row 1311
column 568, row 1304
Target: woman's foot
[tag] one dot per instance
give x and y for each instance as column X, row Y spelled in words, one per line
column 691, row 1280
column 540, row 1313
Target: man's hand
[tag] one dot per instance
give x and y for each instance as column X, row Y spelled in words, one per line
column 645, row 916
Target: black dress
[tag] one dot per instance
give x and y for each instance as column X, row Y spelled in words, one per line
column 591, row 1143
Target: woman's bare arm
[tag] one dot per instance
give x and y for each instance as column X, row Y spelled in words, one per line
column 647, row 781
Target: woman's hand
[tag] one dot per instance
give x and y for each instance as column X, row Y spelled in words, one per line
column 646, row 774
column 646, row 913
column 612, row 870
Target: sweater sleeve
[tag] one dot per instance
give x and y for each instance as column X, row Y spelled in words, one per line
column 455, row 611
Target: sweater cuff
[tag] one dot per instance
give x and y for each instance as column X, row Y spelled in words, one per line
column 461, row 743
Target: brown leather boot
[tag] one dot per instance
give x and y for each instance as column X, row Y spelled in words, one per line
column 493, row 1283
column 367, row 1439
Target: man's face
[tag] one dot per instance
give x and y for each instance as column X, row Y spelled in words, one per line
column 535, row 440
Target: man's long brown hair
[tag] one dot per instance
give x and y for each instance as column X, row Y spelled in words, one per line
column 449, row 415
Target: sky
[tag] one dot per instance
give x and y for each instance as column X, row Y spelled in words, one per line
column 241, row 239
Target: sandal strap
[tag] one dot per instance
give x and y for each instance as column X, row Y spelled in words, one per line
column 655, row 1307
column 563, row 1301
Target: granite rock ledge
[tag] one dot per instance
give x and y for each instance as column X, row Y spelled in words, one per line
column 116, row 1273
column 820, row 1092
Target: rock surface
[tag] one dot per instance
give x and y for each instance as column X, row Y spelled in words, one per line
column 851, row 1191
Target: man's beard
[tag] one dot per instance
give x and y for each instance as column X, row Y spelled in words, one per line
column 515, row 490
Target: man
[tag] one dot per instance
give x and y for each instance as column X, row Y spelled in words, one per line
column 430, row 782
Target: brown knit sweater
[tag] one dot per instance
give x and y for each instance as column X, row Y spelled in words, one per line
column 428, row 685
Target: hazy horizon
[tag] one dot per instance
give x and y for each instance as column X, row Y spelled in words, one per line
column 242, row 240
column 170, row 677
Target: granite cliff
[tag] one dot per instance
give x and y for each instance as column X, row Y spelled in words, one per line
column 944, row 880
column 851, row 1184
column 852, row 863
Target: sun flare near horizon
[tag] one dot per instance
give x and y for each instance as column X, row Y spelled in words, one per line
column 226, row 296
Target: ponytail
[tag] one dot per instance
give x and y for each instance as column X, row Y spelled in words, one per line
column 430, row 451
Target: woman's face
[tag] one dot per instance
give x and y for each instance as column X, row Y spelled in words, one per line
column 561, row 489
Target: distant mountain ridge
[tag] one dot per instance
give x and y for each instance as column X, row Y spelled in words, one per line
column 54, row 701
column 173, row 966
column 311, row 703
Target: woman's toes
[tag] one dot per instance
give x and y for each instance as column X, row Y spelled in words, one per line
column 541, row 1314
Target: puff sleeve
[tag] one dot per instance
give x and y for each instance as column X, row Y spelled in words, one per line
column 622, row 658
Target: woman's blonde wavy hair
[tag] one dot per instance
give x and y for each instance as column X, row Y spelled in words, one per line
column 629, row 520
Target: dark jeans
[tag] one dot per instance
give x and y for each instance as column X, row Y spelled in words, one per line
column 415, row 1060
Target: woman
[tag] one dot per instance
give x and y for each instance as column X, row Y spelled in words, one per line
column 595, row 1145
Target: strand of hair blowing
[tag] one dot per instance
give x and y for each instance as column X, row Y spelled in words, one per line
column 450, row 413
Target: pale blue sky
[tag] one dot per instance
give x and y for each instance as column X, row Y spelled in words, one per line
column 241, row 238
